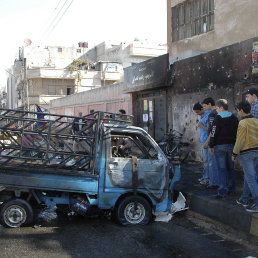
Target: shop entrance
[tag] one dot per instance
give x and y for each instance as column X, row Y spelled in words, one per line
column 151, row 113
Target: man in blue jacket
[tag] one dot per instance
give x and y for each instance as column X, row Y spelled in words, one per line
column 203, row 125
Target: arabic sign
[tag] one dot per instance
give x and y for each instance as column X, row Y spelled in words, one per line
column 147, row 75
column 255, row 57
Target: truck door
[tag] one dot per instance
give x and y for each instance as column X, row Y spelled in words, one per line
column 152, row 166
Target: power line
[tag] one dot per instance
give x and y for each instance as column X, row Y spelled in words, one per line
column 60, row 17
column 49, row 20
column 54, row 20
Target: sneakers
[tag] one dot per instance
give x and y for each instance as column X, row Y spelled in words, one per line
column 252, row 208
column 243, row 203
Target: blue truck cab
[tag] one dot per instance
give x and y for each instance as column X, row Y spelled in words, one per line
column 119, row 168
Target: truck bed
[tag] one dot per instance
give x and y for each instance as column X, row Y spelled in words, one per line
column 38, row 140
column 38, row 179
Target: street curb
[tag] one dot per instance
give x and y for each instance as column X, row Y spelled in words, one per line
column 223, row 212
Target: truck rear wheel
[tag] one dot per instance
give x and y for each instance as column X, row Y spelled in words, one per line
column 15, row 213
column 133, row 210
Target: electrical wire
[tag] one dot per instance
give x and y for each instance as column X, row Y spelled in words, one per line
column 57, row 22
column 50, row 18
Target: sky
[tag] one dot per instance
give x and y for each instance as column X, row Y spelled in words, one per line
column 92, row 21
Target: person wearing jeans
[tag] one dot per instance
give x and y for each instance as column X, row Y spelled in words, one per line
column 203, row 125
column 227, row 178
column 209, row 104
column 206, row 166
column 249, row 162
column 222, row 139
column 247, row 146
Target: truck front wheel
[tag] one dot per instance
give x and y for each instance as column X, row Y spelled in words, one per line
column 133, row 210
column 15, row 213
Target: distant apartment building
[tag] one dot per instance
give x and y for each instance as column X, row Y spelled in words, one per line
column 3, row 99
column 41, row 74
column 125, row 53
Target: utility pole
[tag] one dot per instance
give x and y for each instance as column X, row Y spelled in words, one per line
column 26, row 104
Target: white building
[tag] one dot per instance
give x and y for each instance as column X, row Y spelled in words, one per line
column 41, row 74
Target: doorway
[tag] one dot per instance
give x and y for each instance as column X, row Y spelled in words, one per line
column 152, row 113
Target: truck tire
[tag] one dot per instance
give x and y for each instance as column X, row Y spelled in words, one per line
column 126, row 213
column 15, row 213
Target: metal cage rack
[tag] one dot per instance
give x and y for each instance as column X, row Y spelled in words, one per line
column 47, row 141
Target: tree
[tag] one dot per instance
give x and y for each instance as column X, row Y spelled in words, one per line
column 75, row 67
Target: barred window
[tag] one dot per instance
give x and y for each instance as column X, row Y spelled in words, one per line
column 192, row 17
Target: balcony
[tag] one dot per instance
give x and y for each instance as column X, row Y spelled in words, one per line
column 137, row 49
column 111, row 76
column 50, row 73
column 43, row 99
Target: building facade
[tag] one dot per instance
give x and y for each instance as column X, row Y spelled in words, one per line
column 200, row 26
column 211, row 46
column 125, row 53
column 212, row 53
column 41, row 74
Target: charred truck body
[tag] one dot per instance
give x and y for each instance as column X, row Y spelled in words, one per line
column 106, row 164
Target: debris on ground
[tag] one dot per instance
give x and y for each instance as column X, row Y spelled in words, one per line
column 179, row 205
column 48, row 214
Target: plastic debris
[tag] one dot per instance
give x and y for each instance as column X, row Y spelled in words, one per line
column 163, row 216
column 48, row 214
column 179, row 205
column 71, row 213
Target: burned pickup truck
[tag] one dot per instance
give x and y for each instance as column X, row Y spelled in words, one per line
column 107, row 164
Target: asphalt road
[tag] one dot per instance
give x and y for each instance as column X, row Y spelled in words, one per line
column 102, row 237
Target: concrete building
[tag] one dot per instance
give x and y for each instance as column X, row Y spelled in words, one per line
column 212, row 52
column 110, row 98
column 200, row 26
column 41, row 74
column 212, row 46
column 125, row 53
column 3, row 99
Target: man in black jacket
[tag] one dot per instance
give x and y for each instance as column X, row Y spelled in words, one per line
column 222, row 140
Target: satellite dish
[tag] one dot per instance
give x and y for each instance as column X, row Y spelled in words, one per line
column 27, row 42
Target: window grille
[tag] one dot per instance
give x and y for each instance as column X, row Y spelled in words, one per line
column 192, row 17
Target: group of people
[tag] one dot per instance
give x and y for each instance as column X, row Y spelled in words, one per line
column 223, row 138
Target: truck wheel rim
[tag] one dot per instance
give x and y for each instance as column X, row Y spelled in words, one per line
column 15, row 216
column 132, row 215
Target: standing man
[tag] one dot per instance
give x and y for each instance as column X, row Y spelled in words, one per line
column 251, row 95
column 209, row 104
column 247, row 146
column 203, row 125
column 222, row 140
